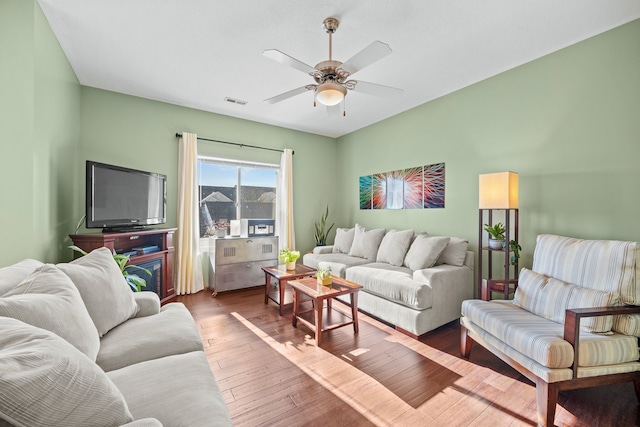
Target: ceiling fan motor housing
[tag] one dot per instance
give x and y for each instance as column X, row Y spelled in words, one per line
column 327, row 71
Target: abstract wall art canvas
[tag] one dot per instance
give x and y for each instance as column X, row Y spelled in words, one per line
column 365, row 192
column 413, row 188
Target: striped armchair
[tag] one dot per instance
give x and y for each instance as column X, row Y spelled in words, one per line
column 573, row 322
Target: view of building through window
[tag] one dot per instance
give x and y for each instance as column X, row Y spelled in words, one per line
column 234, row 190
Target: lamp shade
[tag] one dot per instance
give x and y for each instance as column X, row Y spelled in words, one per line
column 498, row 190
column 330, row 94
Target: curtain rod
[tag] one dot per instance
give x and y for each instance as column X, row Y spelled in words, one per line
column 179, row 135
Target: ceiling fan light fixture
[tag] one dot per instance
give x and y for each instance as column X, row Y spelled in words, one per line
column 330, row 94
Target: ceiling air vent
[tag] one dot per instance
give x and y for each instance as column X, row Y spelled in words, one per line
column 235, row 101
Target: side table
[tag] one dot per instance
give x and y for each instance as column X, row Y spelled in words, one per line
column 282, row 275
column 315, row 318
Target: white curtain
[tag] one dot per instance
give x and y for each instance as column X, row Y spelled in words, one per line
column 284, row 202
column 189, row 264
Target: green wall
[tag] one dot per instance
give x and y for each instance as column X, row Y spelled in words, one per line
column 568, row 123
column 140, row 133
column 39, row 121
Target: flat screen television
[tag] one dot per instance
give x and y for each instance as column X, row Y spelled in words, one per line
column 123, row 199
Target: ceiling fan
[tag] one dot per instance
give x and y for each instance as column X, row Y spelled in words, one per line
column 331, row 76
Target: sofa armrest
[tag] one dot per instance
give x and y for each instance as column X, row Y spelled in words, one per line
column 148, row 302
column 323, row 249
column 572, row 324
column 144, row 422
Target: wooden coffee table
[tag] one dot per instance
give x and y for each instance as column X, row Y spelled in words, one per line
column 282, row 275
column 314, row 318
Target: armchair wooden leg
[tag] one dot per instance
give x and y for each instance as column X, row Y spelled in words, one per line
column 547, row 398
column 465, row 342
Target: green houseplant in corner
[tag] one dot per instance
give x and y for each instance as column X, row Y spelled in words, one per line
column 133, row 280
column 496, row 233
column 322, row 234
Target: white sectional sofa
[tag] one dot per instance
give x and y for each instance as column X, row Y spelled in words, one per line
column 78, row 348
column 414, row 282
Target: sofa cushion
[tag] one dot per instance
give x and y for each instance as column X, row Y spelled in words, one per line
column 549, row 298
column 337, row 262
column 454, row 253
column 149, row 393
column 146, row 338
column 394, row 247
column 614, row 266
column 45, row 381
column 542, row 340
column 48, row 299
column 393, row 283
column 14, row 274
column 104, row 291
column 424, row 251
column 344, row 239
column 605, row 265
column 366, row 242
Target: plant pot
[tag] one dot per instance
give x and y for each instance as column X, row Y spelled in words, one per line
column 496, row 244
column 291, row 265
column 324, row 282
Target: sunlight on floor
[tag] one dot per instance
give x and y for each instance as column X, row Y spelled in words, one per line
column 359, row 390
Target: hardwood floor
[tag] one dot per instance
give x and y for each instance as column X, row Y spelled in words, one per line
column 272, row 374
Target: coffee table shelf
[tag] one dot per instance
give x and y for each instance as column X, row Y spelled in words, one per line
column 332, row 318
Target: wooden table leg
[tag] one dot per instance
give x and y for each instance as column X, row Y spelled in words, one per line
column 354, row 311
column 266, row 287
column 296, row 299
column 318, row 313
column 282, row 284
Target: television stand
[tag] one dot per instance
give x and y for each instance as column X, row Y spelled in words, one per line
column 126, row 241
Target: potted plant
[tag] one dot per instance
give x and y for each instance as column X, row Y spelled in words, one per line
column 496, row 233
column 515, row 248
column 133, row 280
column 323, row 276
column 321, row 233
column 289, row 258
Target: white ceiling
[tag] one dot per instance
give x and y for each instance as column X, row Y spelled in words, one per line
column 195, row 53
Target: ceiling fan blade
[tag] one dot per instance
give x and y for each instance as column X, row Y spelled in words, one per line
column 289, row 94
column 376, row 89
column 367, row 56
column 285, row 59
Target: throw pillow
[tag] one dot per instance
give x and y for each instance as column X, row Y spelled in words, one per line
column 47, row 299
column 549, row 298
column 366, row 242
column 424, row 251
column 343, row 241
column 16, row 273
column 104, row 291
column 394, row 247
column 455, row 252
column 45, row 381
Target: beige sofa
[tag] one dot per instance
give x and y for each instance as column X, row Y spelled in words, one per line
column 78, row 348
column 573, row 322
column 414, row 282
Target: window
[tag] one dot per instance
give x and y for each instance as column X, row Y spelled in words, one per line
column 234, row 190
